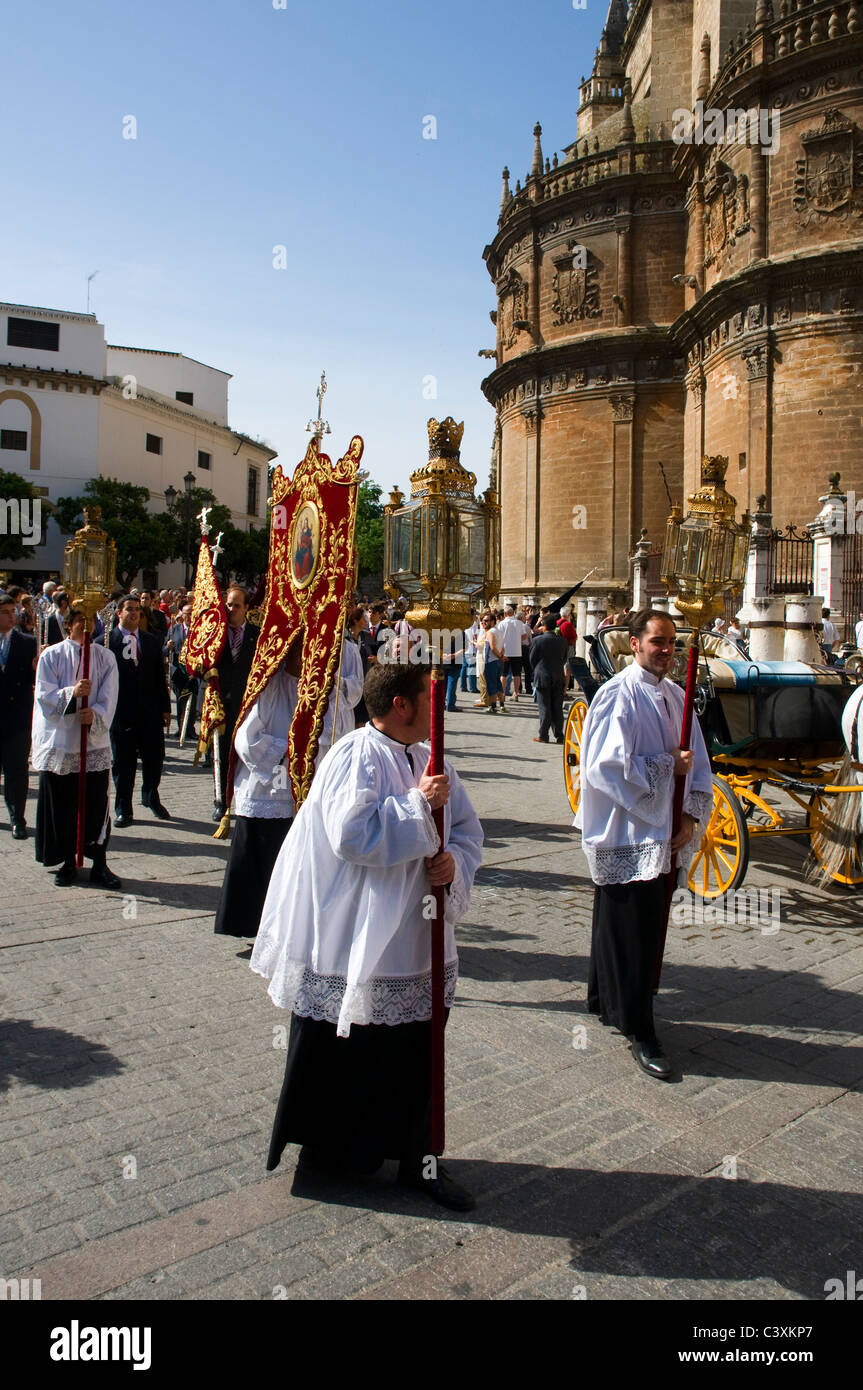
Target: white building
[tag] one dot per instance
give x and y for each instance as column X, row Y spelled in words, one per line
column 73, row 407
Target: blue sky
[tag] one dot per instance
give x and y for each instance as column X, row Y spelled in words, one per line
column 299, row 127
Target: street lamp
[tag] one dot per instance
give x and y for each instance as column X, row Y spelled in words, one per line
column 441, row 547
column 171, row 495
column 705, row 555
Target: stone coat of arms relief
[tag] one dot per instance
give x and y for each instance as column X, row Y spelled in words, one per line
column 830, row 173
column 726, row 210
column 575, row 288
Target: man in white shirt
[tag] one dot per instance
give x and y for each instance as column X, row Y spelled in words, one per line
column 829, row 633
column 630, row 757
column 57, row 720
column 345, row 942
column 513, row 632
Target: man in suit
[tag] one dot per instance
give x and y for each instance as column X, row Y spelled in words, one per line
column 17, row 676
column 234, row 666
column 185, row 687
column 143, row 712
column 55, row 628
column 547, row 656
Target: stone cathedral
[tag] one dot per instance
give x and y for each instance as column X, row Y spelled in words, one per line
column 685, row 278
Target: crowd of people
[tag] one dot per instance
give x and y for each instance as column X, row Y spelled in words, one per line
column 335, row 894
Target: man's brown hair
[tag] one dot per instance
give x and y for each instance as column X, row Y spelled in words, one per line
column 639, row 621
column 389, row 679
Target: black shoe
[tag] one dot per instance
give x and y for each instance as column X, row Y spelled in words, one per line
column 560, row 740
column 217, row 814
column 65, row 875
column 442, row 1188
column 122, row 819
column 652, row 1060
column 103, row 878
column 19, row 830
column 155, row 805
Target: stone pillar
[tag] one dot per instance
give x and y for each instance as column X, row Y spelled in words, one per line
column 830, row 531
column 581, row 628
column 802, row 619
column 639, row 571
column 532, row 415
column 623, row 406
column 757, row 359
column 757, row 583
column 766, row 627
column 757, row 205
column 596, row 611
column 623, row 226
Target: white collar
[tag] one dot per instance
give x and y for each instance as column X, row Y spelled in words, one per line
column 640, row 673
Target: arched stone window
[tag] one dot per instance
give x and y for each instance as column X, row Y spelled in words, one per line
column 35, row 424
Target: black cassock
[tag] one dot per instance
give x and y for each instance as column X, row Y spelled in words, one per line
column 624, row 949
column 357, row 1100
column 255, row 845
column 57, row 817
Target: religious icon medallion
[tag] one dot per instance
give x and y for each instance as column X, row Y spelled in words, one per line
column 305, row 545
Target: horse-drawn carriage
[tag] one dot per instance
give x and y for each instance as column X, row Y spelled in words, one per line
column 767, row 724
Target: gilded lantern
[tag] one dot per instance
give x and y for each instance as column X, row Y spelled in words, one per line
column 705, row 555
column 90, row 564
column 441, row 547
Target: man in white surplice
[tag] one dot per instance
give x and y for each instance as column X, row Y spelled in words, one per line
column 630, row 756
column 345, row 941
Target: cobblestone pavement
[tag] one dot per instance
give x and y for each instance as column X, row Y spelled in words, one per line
column 141, row 1065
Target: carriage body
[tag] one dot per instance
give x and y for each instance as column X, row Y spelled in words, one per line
column 767, row 724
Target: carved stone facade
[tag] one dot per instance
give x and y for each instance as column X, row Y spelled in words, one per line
column 660, row 299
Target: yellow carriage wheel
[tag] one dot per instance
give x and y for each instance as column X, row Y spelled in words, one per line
column 850, row 872
column 719, row 864
column 572, row 750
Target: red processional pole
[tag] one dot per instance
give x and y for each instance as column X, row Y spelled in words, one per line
column 679, row 786
column 82, row 768
column 438, row 1018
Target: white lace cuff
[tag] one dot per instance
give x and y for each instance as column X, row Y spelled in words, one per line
column 417, row 799
column 653, row 805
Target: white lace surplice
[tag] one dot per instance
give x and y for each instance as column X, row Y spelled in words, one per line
column 56, row 742
column 343, row 936
column 627, row 778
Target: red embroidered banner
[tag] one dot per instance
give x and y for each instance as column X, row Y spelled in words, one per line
column 310, row 581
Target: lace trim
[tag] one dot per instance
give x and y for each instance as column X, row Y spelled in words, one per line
column 384, row 999
column 54, row 760
column 263, row 810
column 659, row 771
column 699, row 805
column 628, row 863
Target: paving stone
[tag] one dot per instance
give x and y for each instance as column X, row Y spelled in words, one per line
column 151, row 1039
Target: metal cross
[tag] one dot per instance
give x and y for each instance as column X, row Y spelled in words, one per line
column 216, row 550
column 319, row 426
column 202, row 517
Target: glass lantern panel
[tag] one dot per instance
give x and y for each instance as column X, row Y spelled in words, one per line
column 741, row 557
column 416, row 564
column 400, row 532
column 669, row 552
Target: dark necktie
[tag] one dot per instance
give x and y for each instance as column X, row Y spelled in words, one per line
column 410, row 760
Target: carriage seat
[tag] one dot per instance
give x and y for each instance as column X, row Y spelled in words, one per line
column 616, row 643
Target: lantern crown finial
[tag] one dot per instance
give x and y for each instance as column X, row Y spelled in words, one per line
column 714, row 468
column 445, row 438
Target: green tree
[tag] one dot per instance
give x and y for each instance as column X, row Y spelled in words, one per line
column 12, row 485
column 245, row 554
column 181, row 519
column 144, row 540
column 370, row 528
